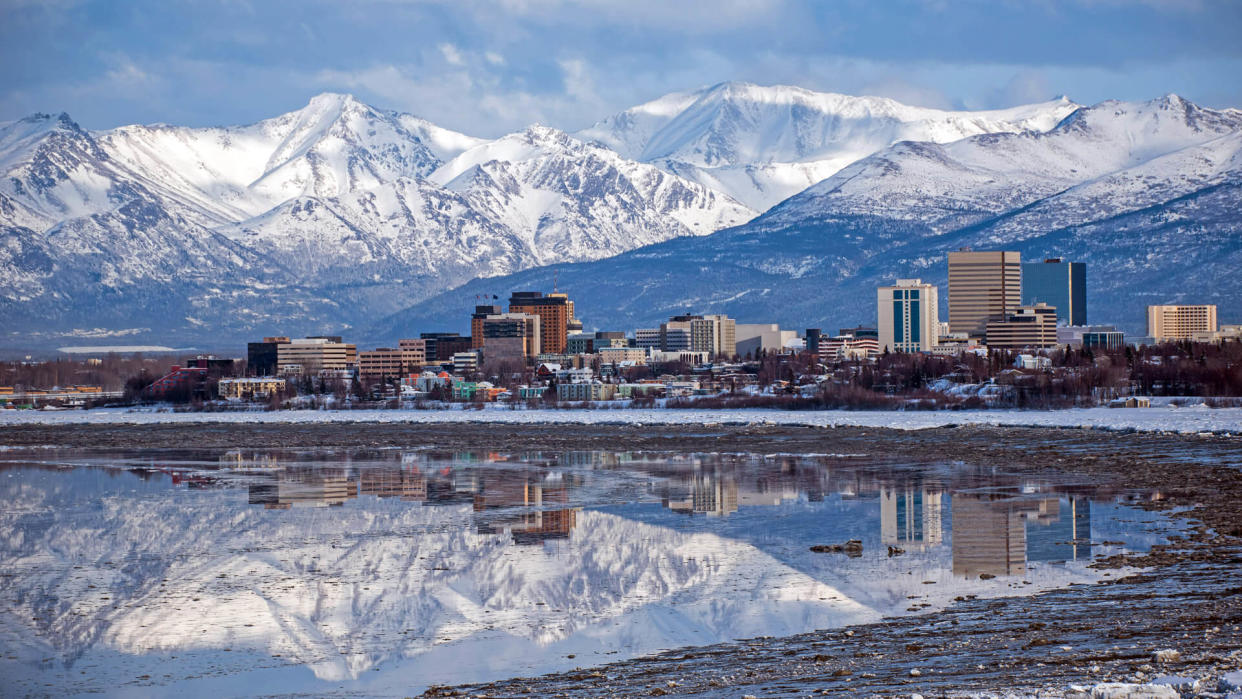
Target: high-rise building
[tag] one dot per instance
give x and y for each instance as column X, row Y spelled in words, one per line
column 476, row 322
column 812, row 340
column 1173, row 322
column 1062, row 285
column 1027, row 326
column 510, row 336
column 908, row 316
column 555, row 312
column 983, row 286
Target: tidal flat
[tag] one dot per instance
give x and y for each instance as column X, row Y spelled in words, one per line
column 609, row 560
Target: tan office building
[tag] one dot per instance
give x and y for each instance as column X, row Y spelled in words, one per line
column 380, row 363
column 1027, row 326
column 413, row 354
column 312, row 354
column 1173, row 322
column 983, row 286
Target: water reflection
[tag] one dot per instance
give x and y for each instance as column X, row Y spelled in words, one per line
column 390, row 570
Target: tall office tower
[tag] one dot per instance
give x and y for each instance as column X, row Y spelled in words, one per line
column 1062, row 285
column 555, row 313
column 510, row 336
column 908, row 316
column 983, row 286
column 476, row 323
column 1180, row 322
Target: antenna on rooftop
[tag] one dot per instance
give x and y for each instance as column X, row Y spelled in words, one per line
column 555, row 274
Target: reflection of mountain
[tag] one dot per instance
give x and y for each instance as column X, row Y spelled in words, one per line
column 343, row 589
column 418, row 573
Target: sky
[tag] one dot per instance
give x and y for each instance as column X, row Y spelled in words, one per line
column 488, row 68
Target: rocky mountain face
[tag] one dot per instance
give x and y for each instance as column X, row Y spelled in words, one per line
column 1147, row 194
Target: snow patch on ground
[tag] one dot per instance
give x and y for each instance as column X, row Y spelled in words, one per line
column 1178, row 420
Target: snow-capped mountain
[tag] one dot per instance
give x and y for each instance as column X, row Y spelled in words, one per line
column 1141, row 192
column 314, row 218
column 761, row 145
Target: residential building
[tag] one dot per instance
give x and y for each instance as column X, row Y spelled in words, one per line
column 908, row 316
column 476, row 322
column 512, row 337
column 1027, row 326
column 585, row 391
column 1179, row 322
column 555, row 312
column 179, row 379
column 768, row 337
column 261, row 357
column 620, row 355
column 314, row 353
column 715, row 334
column 250, row 388
column 1062, row 285
column 983, row 286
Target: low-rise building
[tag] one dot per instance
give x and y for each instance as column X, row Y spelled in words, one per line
column 251, row 387
column 585, row 391
column 619, row 355
column 465, row 362
column 381, row 363
column 1028, row 326
column 683, row 356
column 311, row 354
column 751, row 338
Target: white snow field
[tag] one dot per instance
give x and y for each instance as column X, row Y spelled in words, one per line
column 1187, row 420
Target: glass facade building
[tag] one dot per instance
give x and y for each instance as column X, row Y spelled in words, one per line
column 1059, row 284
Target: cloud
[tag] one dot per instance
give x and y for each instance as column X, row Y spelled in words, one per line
column 451, row 54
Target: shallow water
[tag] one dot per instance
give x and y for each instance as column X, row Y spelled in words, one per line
column 382, row 572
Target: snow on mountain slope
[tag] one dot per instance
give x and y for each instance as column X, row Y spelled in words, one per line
column 946, row 185
column 573, row 201
column 762, row 144
column 333, row 146
column 1140, row 192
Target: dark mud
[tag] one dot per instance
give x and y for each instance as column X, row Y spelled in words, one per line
column 1188, row 598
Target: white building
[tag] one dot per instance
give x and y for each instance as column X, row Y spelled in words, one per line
column 752, row 337
column 908, row 316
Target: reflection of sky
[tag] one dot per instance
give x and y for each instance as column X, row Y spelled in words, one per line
column 117, row 574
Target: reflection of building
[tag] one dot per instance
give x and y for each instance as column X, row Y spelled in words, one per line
column 988, row 537
column 304, row 488
column 1065, row 537
column 404, row 483
column 910, row 518
column 707, row 494
column 532, row 524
